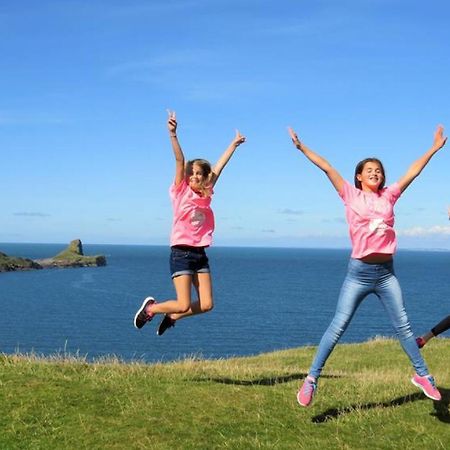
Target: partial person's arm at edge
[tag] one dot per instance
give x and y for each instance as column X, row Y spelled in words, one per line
column 417, row 166
column 334, row 176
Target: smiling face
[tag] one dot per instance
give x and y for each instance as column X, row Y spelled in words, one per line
column 369, row 175
column 198, row 176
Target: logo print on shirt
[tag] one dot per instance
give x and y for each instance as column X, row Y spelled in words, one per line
column 197, row 218
column 378, row 226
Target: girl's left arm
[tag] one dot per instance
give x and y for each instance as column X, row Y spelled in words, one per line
column 227, row 154
column 418, row 166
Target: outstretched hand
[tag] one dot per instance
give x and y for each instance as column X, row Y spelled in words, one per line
column 172, row 121
column 294, row 137
column 439, row 139
column 238, row 139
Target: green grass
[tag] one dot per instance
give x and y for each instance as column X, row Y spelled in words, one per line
column 365, row 400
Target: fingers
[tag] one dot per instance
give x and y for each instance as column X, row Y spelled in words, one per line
column 238, row 138
column 293, row 134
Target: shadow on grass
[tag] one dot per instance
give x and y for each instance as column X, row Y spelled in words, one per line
column 268, row 381
column 441, row 408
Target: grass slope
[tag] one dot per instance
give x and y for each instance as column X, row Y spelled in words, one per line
column 365, row 401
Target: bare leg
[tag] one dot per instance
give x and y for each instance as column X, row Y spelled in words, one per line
column 442, row 326
column 427, row 336
column 203, row 285
column 182, row 304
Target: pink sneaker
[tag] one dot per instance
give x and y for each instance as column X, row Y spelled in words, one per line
column 428, row 386
column 420, row 341
column 142, row 317
column 306, row 393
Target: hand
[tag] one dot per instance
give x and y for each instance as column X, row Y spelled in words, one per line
column 238, row 139
column 439, row 139
column 294, row 138
column 172, row 122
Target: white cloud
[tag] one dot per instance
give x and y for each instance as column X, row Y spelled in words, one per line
column 31, row 214
column 436, row 230
column 293, row 212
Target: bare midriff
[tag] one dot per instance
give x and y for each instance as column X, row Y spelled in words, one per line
column 376, row 258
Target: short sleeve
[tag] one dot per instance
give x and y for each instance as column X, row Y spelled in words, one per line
column 176, row 189
column 347, row 191
column 393, row 192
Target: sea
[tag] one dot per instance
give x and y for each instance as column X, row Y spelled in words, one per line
column 266, row 299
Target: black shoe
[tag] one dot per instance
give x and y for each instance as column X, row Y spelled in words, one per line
column 141, row 317
column 165, row 323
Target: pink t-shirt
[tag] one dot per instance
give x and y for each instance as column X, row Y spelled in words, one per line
column 193, row 218
column 370, row 217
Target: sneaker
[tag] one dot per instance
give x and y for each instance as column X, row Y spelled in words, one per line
column 428, row 386
column 142, row 317
column 306, row 393
column 165, row 323
column 420, row 342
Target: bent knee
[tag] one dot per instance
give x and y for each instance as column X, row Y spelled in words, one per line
column 207, row 308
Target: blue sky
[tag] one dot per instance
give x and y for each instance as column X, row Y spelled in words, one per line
column 85, row 87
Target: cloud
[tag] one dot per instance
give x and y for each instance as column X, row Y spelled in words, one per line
column 190, row 73
column 143, row 68
column 268, row 231
column 334, row 220
column 31, row 214
column 292, row 212
column 436, row 230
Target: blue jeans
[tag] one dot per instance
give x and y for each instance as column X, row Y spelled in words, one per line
column 363, row 279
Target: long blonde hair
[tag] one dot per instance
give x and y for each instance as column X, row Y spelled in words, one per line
column 205, row 185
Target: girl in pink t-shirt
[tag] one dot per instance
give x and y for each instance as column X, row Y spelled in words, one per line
column 369, row 208
column 192, row 229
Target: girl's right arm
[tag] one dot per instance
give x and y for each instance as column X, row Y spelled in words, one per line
column 178, row 153
column 334, row 176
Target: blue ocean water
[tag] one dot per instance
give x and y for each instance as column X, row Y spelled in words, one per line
column 265, row 299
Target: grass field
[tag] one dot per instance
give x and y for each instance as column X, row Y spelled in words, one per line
column 365, row 401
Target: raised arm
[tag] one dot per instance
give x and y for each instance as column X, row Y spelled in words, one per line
column 178, row 153
column 417, row 166
column 227, row 154
column 334, row 176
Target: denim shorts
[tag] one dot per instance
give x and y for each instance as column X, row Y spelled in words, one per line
column 185, row 260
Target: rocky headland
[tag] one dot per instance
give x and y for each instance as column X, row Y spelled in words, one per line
column 72, row 256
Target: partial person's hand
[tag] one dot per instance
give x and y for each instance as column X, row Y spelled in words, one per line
column 294, row 138
column 172, row 121
column 439, row 139
column 238, row 139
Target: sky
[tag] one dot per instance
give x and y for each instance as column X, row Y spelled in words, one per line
column 85, row 87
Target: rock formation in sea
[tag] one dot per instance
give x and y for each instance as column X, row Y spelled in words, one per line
column 11, row 263
column 72, row 256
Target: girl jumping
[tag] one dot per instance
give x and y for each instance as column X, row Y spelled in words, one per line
column 192, row 229
column 369, row 210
